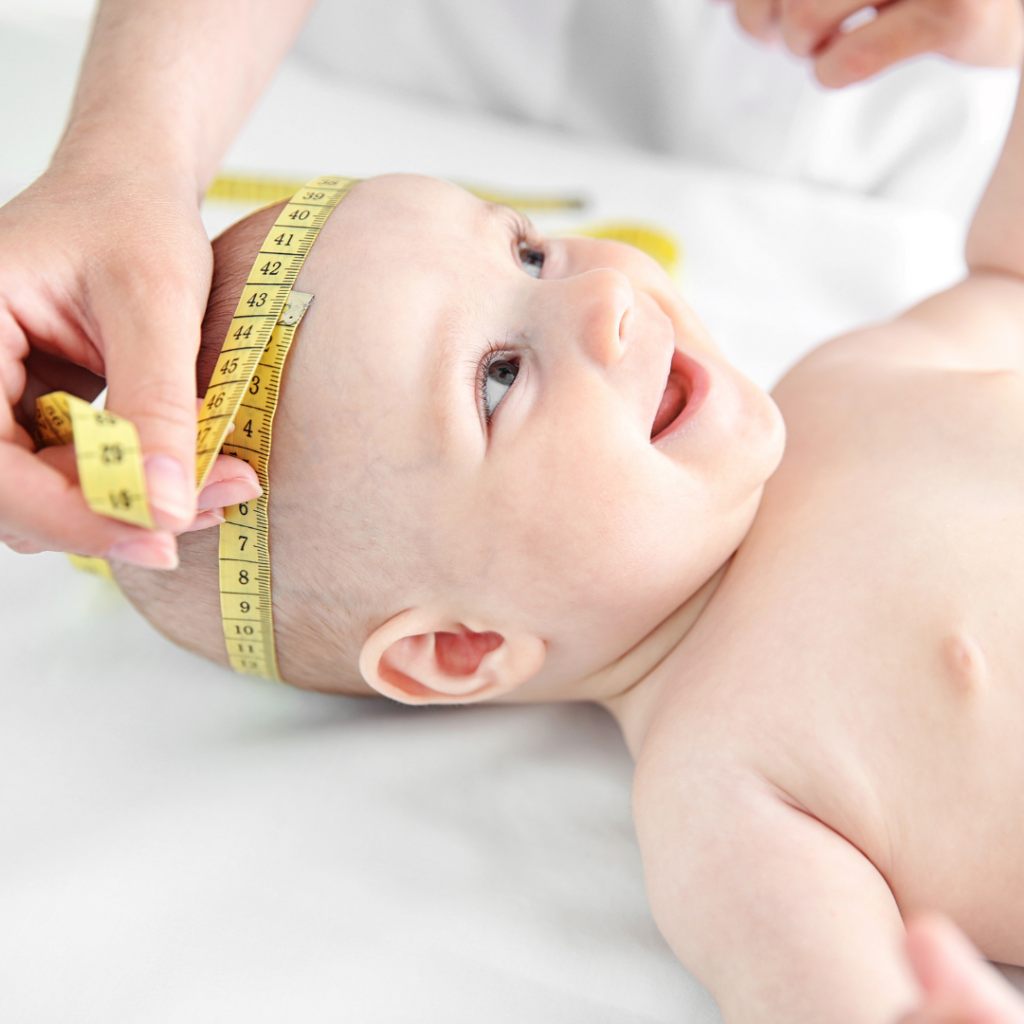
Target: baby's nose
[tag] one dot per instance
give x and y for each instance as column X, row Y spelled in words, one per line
column 600, row 304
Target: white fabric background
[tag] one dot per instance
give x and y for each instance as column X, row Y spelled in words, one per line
column 678, row 77
column 181, row 845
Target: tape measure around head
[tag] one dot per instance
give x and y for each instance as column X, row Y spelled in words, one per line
column 261, row 304
column 237, row 415
column 656, row 241
column 246, row 188
column 245, row 599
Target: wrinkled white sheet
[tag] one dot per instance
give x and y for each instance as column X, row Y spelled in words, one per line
column 179, row 844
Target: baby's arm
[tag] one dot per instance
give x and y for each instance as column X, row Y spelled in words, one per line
column 983, row 317
column 996, row 239
column 978, row 324
column 780, row 917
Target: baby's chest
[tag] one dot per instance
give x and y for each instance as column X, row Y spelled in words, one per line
column 884, row 606
column 899, row 507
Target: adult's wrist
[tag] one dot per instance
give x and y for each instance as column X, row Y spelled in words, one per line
column 99, row 153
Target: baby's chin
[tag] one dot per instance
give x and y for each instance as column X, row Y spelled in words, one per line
column 756, row 438
column 768, row 442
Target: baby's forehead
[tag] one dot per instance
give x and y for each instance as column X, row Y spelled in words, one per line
column 406, row 222
column 368, row 356
column 407, row 203
column 408, row 275
column 400, row 260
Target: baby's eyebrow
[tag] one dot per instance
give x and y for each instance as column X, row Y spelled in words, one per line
column 453, row 326
column 510, row 216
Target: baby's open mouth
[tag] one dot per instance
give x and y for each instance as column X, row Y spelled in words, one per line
column 677, row 394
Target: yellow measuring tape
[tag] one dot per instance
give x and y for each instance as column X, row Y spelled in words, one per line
column 251, row 189
column 109, row 460
column 243, row 392
column 245, row 601
column 107, row 452
column 237, row 416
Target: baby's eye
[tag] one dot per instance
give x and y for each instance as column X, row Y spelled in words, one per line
column 531, row 259
column 499, row 376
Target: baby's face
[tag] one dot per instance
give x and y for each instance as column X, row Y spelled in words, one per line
column 542, row 420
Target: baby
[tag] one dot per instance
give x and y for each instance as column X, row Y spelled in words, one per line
column 514, row 468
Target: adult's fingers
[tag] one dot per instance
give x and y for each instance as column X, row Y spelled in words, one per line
column 42, row 510
column 45, row 373
column 987, row 33
column 230, row 482
column 204, row 520
column 151, row 327
column 902, row 29
column 113, row 278
column 807, row 25
column 759, row 17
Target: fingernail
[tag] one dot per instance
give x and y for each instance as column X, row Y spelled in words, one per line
column 209, row 517
column 157, row 551
column 229, row 492
column 169, row 489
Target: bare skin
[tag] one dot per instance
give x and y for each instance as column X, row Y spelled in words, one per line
column 855, row 751
column 835, row 738
column 819, row 675
column 824, row 768
column 104, row 264
column 957, row 987
column 828, row 722
column 986, row 32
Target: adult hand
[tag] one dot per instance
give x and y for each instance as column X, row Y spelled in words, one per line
column 104, row 278
column 958, row 986
column 105, row 266
column 981, row 32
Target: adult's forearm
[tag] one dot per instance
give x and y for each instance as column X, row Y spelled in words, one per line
column 165, row 84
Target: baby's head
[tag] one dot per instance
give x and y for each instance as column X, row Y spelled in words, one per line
column 499, row 460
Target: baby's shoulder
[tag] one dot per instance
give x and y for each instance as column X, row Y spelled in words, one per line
column 966, row 343
column 903, row 394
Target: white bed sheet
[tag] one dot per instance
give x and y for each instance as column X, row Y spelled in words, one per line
column 180, row 844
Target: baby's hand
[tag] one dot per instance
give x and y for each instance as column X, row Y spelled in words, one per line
column 958, row 986
column 981, row 32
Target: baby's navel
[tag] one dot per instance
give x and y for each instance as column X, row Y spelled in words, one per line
column 965, row 663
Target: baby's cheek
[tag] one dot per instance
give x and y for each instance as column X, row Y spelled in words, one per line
column 571, row 519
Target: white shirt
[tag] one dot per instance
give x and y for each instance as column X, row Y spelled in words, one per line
column 679, row 77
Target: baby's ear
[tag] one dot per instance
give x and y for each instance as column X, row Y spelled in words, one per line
column 424, row 656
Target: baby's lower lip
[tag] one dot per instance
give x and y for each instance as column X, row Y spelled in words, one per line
column 685, row 390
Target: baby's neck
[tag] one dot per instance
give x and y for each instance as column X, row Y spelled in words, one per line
column 623, row 687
